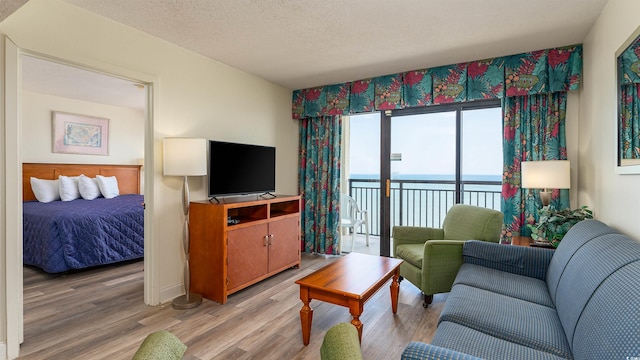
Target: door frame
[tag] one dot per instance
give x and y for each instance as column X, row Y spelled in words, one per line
column 13, row 185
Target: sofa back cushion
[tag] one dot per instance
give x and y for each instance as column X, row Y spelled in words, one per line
column 575, row 238
column 609, row 327
column 592, row 265
column 466, row 222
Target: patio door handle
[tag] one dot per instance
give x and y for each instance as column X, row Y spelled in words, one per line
column 388, row 187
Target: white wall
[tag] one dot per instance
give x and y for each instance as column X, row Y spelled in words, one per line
column 194, row 97
column 126, row 130
column 613, row 197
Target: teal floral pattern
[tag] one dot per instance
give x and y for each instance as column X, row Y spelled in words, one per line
column 449, row 83
column 526, row 74
column 534, row 129
column 362, row 96
column 629, row 102
column 319, row 175
column 315, row 102
column 388, row 92
column 565, row 68
column 416, row 88
column 338, row 99
column 297, row 107
column 629, row 141
column 485, row 79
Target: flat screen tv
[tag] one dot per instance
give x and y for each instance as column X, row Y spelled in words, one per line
column 239, row 169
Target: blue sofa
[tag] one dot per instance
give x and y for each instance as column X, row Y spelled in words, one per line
column 581, row 301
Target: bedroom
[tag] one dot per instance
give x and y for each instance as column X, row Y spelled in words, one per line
column 182, row 109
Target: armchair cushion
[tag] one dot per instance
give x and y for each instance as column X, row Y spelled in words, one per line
column 411, row 253
column 465, row 222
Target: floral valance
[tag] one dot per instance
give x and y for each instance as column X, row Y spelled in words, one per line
column 629, row 64
column 542, row 71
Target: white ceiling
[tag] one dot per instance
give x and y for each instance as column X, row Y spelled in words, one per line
column 306, row 43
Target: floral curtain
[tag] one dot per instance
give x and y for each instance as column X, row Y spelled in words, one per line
column 629, row 103
column 629, row 122
column 534, row 129
column 320, row 183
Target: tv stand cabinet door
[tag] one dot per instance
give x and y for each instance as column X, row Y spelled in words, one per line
column 248, row 255
column 284, row 248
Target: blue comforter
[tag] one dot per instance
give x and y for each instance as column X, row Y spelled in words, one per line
column 66, row 235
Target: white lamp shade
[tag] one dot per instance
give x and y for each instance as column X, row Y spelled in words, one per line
column 547, row 174
column 185, row 157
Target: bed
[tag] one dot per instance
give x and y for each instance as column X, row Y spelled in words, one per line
column 60, row 236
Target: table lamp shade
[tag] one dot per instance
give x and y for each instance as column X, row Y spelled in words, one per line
column 547, row 174
column 185, row 157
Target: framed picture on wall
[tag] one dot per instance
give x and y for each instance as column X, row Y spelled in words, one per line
column 80, row 134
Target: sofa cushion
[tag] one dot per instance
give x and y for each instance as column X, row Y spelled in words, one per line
column 577, row 236
column 469, row 341
column 501, row 282
column 504, row 317
column 589, row 267
column 411, row 253
column 609, row 327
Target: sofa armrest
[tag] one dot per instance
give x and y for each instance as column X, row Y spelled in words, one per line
column 421, row 351
column 441, row 261
column 414, row 235
column 161, row 345
column 521, row 260
column 341, row 342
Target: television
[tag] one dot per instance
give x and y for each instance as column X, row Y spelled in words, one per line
column 241, row 169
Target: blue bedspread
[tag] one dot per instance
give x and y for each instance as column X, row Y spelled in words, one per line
column 66, row 235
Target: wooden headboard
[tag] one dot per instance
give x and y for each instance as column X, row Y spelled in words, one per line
column 128, row 175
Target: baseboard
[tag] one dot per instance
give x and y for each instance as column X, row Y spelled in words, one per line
column 169, row 293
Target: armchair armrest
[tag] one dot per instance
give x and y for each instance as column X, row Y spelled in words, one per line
column 414, row 235
column 521, row 260
column 421, row 351
column 341, row 342
column 441, row 261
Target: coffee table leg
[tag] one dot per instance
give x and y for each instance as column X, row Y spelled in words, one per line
column 306, row 315
column 395, row 289
column 355, row 308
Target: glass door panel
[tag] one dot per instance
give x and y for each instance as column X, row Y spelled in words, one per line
column 361, row 178
column 423, row 168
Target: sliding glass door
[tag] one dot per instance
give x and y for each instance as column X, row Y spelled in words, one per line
column 408, row 167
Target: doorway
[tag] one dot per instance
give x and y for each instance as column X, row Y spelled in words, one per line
column 47, row 84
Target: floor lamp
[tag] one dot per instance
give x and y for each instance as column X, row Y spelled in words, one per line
column 546, row 175
column 185, row 157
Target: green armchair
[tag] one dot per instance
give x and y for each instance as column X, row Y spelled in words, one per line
column 433, row 256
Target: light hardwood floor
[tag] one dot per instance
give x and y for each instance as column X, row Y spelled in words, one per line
column 100, row 314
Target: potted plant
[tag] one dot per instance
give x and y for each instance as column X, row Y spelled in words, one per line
column 553, row 224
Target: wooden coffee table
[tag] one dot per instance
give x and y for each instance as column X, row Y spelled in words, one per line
column 349, row 281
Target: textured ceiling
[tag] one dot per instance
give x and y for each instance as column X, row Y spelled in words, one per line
column 305, row 43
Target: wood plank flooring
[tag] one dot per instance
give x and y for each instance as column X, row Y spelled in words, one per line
column 100, row 314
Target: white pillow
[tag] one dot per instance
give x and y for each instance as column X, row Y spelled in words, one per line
column 69, row 188
column 88, row 187
column 108, row 186
column 45, row 190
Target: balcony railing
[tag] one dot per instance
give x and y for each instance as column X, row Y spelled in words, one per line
column 421, row 202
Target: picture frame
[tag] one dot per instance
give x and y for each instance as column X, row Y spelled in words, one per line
column 80, row 134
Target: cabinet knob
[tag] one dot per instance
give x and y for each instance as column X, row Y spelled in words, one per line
column 271, row 236
column 266, row 240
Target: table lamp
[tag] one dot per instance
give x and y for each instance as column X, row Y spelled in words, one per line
column 546, row 175
column 185, row 157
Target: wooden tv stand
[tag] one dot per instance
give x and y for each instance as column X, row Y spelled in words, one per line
column 239, row 243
